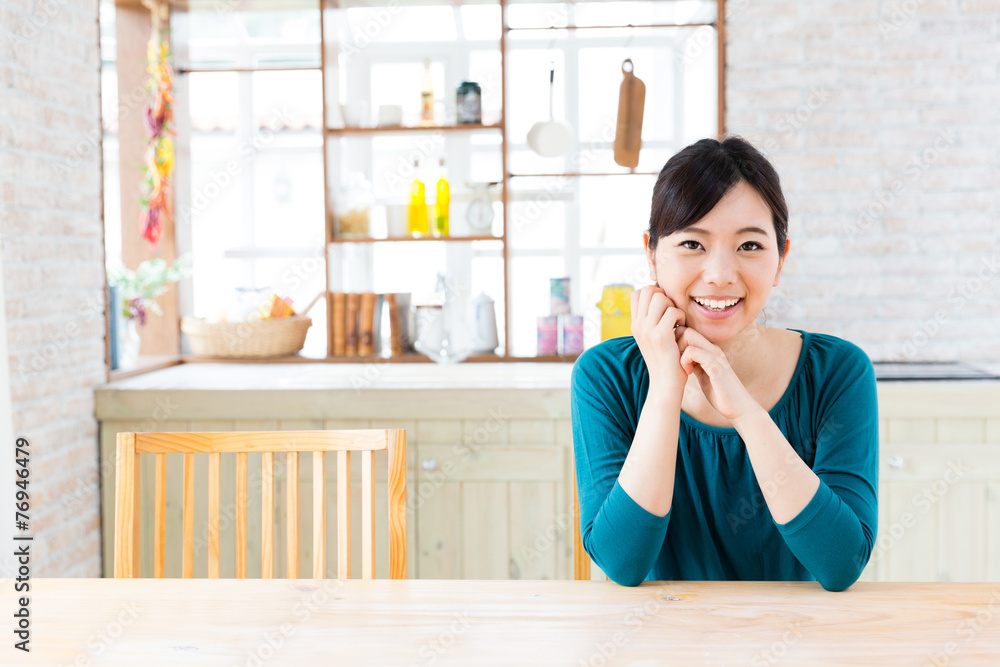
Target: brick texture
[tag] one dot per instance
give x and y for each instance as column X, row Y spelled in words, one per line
column 882, row 120
column 53, row 267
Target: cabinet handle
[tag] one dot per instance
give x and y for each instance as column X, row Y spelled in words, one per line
column 429, row 463
column 895, row 461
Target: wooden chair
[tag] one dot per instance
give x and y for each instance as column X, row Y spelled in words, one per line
column 581, row 559
column 267, row 443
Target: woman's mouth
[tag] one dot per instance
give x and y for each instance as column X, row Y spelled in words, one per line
column 717, row 308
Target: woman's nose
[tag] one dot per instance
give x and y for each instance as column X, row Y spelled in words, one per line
column 719, row 268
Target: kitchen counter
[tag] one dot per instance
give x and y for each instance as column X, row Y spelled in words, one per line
column 490, row 457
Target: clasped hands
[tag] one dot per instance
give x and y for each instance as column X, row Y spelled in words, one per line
column 673, row 351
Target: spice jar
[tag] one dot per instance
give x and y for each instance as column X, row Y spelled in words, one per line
column 352, row 208
column 469, row 105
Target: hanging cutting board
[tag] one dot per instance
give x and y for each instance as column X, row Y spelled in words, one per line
column 628, row 133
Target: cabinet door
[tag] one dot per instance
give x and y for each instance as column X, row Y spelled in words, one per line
column 493, row 509
column 939, row 515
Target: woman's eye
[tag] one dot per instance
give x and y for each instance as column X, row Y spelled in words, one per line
column 690, row 245
column 751, row 245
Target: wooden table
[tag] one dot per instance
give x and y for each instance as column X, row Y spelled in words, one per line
column 144, row 622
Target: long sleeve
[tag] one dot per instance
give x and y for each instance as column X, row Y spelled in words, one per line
column 623, row 538
column 834, row 534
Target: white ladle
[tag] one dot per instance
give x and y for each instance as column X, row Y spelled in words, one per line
column 550, row 138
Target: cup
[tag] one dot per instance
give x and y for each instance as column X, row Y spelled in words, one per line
column 390, row 115
column 397, row 221
column 353, row 113
column 430, row 329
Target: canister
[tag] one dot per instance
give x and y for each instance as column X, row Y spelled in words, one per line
column 559, row 296
column 469, row 108
column 548, row 335
column 572, row 334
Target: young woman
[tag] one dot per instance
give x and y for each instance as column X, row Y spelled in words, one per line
column 709, row 447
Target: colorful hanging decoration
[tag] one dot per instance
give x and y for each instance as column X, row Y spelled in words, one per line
column 154, row 201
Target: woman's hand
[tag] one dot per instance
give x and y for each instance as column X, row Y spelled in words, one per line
column 654, row 318
column 718, row 381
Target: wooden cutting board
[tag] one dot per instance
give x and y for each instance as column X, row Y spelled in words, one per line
column 628, row 133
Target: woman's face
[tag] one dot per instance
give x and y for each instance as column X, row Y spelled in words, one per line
column 721, row 269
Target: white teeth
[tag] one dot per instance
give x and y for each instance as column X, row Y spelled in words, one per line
column 717, row 305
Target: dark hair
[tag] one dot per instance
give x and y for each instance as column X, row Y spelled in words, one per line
column 696, row 178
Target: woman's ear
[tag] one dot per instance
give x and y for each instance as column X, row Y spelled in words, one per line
column 650, row 256
column 781, row 263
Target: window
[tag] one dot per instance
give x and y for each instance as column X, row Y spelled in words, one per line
column 255, row 213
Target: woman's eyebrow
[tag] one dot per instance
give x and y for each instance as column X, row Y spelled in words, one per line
column 744, row 230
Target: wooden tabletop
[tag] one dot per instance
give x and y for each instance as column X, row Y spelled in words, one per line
column 424, row 622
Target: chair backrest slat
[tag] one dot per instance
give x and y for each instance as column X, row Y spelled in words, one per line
column 187, row 565
column 267, row 516
column 343, row 515
column 292, row 515
column 241, row 515
column 397, row 503
column 124, row 505
column 214, row 512
column 160, row 516
column 367, row 515
column 319, row 515
column 291, row 443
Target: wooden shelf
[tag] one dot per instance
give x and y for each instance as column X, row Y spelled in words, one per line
column 406, row 239
column 375, row 359
column 464, row 127
column 579, row 175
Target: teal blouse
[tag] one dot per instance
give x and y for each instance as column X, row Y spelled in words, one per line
column 719, row 527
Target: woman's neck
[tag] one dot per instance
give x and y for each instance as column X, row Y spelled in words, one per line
column 747, row 353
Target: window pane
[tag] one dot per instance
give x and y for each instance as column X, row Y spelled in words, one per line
column 214, row 101
column 288, row 198
column 539, row 207
column 288, row 102
column 614, row 211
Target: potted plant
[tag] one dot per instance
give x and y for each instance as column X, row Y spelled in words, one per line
column 134, row 297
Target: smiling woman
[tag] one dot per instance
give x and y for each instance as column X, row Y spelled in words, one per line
column 708, row 446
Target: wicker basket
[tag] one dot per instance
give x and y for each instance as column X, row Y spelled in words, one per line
column 246, row 340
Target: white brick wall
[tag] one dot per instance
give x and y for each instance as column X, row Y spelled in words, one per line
column 882, row 119
column 51, row 234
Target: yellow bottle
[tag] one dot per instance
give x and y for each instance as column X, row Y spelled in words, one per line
column 441, row 216
column 418, row 205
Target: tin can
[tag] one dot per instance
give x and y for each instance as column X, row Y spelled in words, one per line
column 572, row 334
column 548, row 335
column 469, row 107
column 559, row 293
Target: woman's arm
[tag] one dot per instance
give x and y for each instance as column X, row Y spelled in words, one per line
column 626, row 480
column 827, row 514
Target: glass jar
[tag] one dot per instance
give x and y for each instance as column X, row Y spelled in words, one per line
column 352, row 208
column 469, row 107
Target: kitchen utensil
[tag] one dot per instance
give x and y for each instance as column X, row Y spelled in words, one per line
column 616, row 313
column 482, row 325
column 628, row 132
column 549, row 138
column 390, row 115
